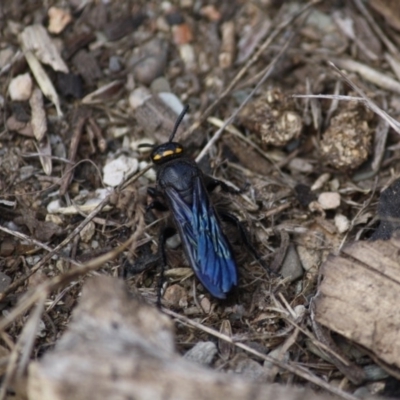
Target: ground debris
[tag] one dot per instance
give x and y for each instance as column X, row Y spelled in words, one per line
column 358, row 295
column 310, row 147
column 142, row 348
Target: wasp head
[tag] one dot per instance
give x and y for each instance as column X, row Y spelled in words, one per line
column 170, row 150
column 166, row 152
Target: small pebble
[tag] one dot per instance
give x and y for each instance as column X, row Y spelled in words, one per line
column 172, row 101
column 188, row 56
column 173, row 242
column 362, row 392
column 150, row 174
column 309, row 259
column 160, row 85
column 251, row 370
column 7, row 247
column 342, row 223
column 41, row 329
column 138, row 97
column 20, row 88
column 32, row 260
column 149, row 61
column 300, row 165
column 375, row 372
column 291, row 266
column 58, row 19
column 116, row 170
column 53, row 206
column 5, row 281
column 114, row 64
column 175, row 295
column 329, row 200
column 205, row 305
column 6, row 56
column 277, row 354
column 87, row 232
column 118, row 131
column 182, row 34
column 202, row 353
column 300, row 311
column 321, row 180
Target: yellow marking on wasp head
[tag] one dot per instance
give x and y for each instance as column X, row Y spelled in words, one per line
column 157, row 157
column 167, row 153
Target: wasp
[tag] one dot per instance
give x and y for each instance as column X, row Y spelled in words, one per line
column 183, row 189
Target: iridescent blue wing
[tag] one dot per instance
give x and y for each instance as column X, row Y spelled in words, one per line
column 205, row 244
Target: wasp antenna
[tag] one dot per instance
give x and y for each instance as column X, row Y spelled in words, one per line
column 178, row 122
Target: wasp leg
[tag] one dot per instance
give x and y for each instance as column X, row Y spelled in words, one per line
column 227, row 217
column 155, row 204
column 146, row 262
column 212, row 183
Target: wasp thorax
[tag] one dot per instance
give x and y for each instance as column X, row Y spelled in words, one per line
column 166, row 152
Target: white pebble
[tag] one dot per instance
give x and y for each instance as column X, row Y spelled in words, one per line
column 322, row 179
column 342, row 223
column 172, row 101
column 329, row 200
column 20, row 88
column 138, row 97
column 116, row 170
column 58, row 19
column 53, row 206
column 150, row 174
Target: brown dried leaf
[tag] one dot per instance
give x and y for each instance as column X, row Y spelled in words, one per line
column 43, row 80
column 104, row 93
column 44, row 149
column 35, row 38
column 41, row 230
column 358, row 297
column 226, row 349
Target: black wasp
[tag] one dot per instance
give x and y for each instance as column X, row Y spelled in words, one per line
column 184, row 187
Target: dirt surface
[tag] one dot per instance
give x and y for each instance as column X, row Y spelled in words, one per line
column 83, row 84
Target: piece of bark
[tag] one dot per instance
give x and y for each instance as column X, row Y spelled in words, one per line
column 359, row 294
column 118, row 347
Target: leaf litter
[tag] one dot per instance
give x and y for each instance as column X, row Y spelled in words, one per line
column 315, row 144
